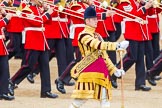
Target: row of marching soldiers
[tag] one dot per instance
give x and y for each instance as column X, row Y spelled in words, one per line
column 42, row 30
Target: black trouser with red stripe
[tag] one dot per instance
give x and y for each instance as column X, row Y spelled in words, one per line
column 148, row 54
column 155, row 45
column 4, row 74
column 30, row 58
column 65, row 76
column 157, row 67
column 63, row 53
column 135, row 54
column 15, row 45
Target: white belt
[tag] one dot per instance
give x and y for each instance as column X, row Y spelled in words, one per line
column 28, row 29
column 72, row 29
column 152, row 16
column 34, row 28
column 136, row 20
column 59, row 19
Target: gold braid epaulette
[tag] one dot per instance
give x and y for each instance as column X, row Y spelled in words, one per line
column 85, row 62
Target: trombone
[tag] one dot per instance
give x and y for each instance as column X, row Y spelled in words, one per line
column 157, row 4
column 137, row 19
column 18, row 13
column 70, row 14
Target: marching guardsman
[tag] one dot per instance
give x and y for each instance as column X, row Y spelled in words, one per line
column 15, row 46
column 36, row 49
column 110, row 28
column 59, row 34
column 64, row 27
column 77, row 25
column 153, row 24
column 4, row 65
column 59, row 41
column 136, row 38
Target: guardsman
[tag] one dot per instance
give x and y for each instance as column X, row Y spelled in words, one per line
column 110, row 28
column 58, row 40
column 36, row 49
column 153, row 24
column 15, row 47
column 136, row 38
column 4, row 65
column 77, row 25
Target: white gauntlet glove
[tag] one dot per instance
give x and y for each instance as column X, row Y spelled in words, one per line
column 104, row 4
column 123, row 45
column 31, row 16
column 61, row 8
column 18, row 13
column 119, row 72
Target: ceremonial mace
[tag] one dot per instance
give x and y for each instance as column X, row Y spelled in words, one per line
column 121, row 51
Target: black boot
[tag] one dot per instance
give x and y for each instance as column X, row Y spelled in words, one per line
column 69, row 83
column 30, row 77
column 60, row 86
column 11, row 88
column 6, row 97
column 48, row 95
column 157, row 77
column 150, row 79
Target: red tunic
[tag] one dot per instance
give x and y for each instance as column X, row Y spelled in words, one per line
column 102, row 25
column 3, row 50
column 132, row 29
column 153, row 20
column 34, row 31
column 77, row 23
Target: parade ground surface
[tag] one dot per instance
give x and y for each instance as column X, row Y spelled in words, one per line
column 28, row 95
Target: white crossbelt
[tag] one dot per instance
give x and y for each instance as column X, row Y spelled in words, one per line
column 72, row 29
column 59, row 19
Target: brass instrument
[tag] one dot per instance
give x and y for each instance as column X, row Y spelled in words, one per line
column 60, row 5
column 74, row 3
column 157, row 4
column 19, row 13
column 135, row 18
column 8, row 8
